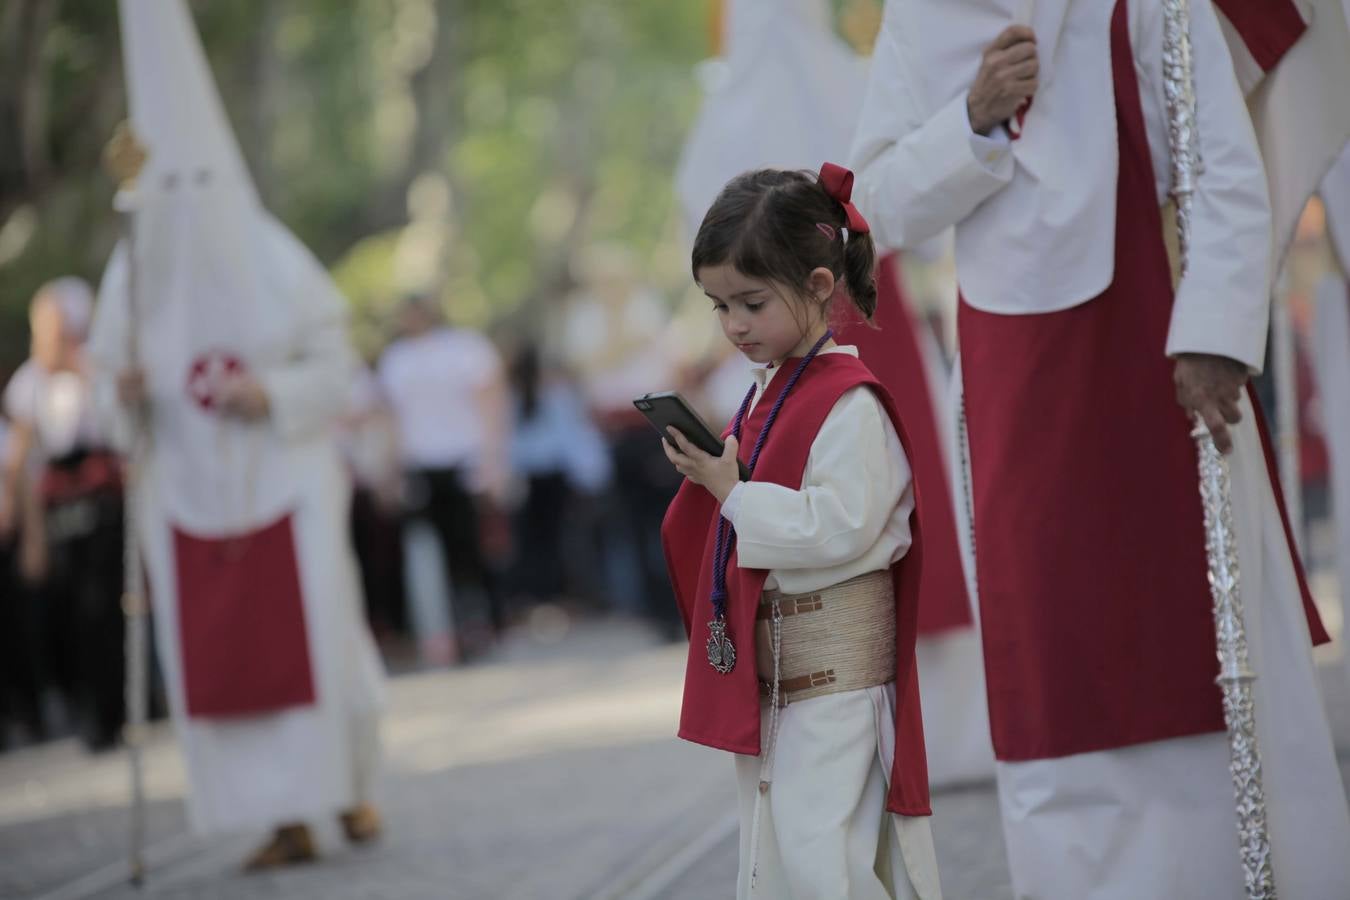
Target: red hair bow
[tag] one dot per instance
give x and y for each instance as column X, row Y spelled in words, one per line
column 838, row 183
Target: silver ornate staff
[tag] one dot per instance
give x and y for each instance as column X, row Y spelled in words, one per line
column 1235, row 676
column 124, row 156
column 968, row 493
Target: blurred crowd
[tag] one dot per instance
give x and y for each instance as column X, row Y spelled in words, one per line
column 498, row 481
column 60, row 537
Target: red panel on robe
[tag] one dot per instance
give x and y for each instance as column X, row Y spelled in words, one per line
column 1095, row 604
column 241, row 623
column 723, row 710
column 892, row 351
column 1268, row 28
column 1316, row 628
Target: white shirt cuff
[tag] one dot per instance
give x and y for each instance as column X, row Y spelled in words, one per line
column 1218, row 333
column 732, row 505
column 989, row 151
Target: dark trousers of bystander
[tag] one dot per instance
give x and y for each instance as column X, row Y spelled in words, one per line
column 377, row 540
column 644, row 484
column 86, row 580
column 538, row 574
column 440, row 497
column 21, row 671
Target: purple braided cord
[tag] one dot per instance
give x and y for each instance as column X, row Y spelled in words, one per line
column 726, row 535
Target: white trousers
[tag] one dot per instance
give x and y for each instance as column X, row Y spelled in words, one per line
column 824, row 831
column 955, row 715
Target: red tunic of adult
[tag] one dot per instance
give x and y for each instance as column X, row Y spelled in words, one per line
column 890, row 347
column 1268, row 28
column 1095, row 606
column 723, row 711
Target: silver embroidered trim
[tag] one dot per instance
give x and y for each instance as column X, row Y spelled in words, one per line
column 1182, row 138
column 968, row 492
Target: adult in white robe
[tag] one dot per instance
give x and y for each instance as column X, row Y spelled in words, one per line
column 222, row 364
column 1331, row 362
column 1152, row 817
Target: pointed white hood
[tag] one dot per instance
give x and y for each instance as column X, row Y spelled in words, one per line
column 788, row 96
column 197, row 213
column 175, row 108
column 218, row 287
column 1300, row 110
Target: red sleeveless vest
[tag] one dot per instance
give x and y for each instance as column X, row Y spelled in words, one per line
column 722, row 711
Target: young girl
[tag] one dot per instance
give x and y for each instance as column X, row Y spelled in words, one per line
column 799, row 587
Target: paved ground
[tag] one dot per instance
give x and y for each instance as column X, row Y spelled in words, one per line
column 549, row 773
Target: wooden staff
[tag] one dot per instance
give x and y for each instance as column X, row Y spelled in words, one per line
column 123, row 157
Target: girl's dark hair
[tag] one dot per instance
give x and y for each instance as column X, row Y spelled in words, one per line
column 780, row 225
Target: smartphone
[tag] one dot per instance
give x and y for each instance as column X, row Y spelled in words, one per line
column 668, row 409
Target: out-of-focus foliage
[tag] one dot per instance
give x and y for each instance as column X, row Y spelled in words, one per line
column 467, row 146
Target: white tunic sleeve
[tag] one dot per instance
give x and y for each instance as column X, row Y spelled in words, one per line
column 307, row 393
column 109, row 349
column 1223, row 304
column 854, row 503
column 308, row 390
column 918, row 174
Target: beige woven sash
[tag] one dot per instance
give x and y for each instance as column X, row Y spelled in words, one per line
column 841, row 638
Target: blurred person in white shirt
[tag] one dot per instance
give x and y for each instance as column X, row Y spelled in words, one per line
column 447, row 389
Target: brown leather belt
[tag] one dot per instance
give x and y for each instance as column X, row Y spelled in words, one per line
column 791, row 606
column 800, row 683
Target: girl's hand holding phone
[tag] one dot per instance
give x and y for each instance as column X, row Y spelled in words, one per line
column 719, row 474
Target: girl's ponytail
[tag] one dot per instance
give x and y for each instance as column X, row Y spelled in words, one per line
column 860, row 259
column 859, row 254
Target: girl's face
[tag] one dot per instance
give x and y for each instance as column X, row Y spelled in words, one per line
column 765, row 321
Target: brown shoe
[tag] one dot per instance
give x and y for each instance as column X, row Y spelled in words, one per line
column 361, row 824
column 291, row 844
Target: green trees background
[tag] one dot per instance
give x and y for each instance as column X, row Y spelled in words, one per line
column 469, row 145
column 472, row 147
